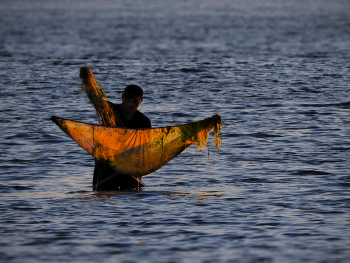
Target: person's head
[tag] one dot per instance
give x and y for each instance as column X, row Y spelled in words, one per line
column 132, row 98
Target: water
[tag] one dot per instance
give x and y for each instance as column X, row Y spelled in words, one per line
column 277, row 72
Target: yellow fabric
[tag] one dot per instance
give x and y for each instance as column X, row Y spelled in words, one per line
column 138, row 152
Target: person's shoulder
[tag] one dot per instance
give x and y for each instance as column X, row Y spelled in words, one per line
column 146, row 122
column 141, row 115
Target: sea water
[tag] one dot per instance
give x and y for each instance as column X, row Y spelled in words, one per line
column 278, row 73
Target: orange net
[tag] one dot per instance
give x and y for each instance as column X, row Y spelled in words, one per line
column 98, row 98
column 134, row 152
column 138, row 152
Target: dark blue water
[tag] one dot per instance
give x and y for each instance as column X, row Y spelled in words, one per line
column 278, row 73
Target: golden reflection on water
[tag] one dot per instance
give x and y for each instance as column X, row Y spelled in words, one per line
column 110, row 194
column 104, row 195
column 200, row 195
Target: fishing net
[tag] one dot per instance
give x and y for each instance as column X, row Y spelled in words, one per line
column 138, row 152
column 134, row 152
column 97, row 97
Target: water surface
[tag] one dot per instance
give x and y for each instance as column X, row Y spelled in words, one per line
column 277, row 72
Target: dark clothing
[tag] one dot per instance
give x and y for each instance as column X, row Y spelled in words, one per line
column 102, row 171
column 138, row 121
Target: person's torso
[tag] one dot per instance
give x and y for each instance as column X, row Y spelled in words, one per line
column 139, row 120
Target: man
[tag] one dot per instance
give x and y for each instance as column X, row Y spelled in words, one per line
column 127, row 116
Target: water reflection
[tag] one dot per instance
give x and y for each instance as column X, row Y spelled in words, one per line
column 278, row 76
